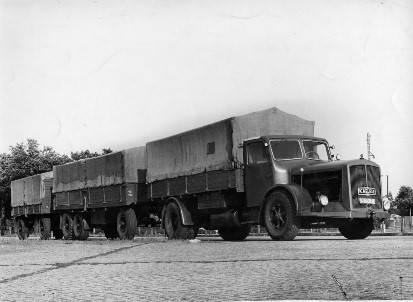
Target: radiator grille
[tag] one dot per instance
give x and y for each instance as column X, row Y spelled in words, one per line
column 362, row 176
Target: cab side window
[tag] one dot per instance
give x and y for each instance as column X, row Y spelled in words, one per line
column 256, row 153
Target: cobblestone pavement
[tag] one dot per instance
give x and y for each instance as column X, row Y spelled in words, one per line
column 209, row 269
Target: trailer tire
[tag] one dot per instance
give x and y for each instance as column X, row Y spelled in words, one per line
column 126, row 224
column 235, row 234
column 22, row 229
column 110, row 231
column 280, row 218
column 356, row 229
column 173, row 224
column 44, row 228
column 80, row 227
column 67, row 227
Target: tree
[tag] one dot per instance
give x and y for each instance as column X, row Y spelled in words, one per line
column 87, row 154
column 25, row 159
column 404, row 201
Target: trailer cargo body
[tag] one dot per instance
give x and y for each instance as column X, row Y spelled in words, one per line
column 106, row 181
column 32, row 195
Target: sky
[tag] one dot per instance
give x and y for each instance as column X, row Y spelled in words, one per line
column 79, row 75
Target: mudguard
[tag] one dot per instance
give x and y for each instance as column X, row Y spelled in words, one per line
column 185, row 214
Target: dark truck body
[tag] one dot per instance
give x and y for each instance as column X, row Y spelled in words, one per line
column 226, row 176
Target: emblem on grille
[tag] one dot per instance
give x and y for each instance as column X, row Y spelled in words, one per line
column 366, row 191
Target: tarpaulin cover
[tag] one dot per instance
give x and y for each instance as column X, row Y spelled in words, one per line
column 29, row 190
column 104, row 170
column 69, row 176
column 135, row 158
column 215, row 146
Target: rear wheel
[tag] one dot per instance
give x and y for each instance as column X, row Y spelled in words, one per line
column 80, row 227
column 44, row 228
column 127, row 224
column 173, row 224
column 235, row 234
column 22, row 229
column 356, row 228
column 280, row 218
column 67, row 227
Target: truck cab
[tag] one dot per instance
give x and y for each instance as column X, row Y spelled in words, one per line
column 295, row 183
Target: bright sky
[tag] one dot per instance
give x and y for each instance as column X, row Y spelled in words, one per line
column 115, row 74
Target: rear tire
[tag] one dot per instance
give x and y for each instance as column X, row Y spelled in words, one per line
column 67, row 227
column 235, row 234
column 126, row 224
column 280, row 218
column 22, row 229
column 80, row 227
column 357, row 228
column 44, row 228
column 174, row 228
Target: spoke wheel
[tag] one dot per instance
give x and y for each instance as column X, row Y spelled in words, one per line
column 280, row 217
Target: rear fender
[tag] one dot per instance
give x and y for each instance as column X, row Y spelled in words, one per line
column 297, row 193
column 185, row 214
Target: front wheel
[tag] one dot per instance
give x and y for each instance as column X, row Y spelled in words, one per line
column 174, row 227
column 236, row 233
column 127, row 224
column 22, row 229
column 44, row 228
column 80, row 227
column 357, row 228
column 280, row 218
column 67, row 227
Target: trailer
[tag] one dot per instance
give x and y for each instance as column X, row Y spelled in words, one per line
column 32, row 206
column 265, row 168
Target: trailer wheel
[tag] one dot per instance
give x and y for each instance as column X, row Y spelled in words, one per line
column 356, row 229
column 67, row 227
column 80, row 227
column 173, row 224
column 235, row 234
column 110, row 231
column 127, row 224
column 44, row 228
column 22, row 229
column 280, row 217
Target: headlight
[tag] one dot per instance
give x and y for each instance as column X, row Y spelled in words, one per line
column 323, row 200
column 386, row 203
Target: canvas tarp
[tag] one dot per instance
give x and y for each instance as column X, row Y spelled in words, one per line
column 69, row 176
column 191, row 152
column 135, row 158
column 104, row 170
column 29, row 190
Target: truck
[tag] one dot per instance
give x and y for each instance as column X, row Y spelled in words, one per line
column 265, row 168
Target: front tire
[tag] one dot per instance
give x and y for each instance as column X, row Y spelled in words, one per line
column 22, row 229
column 235, row 234
column 67, row 227
column 174, row 228
column 80, row 227
column 356, row 229
column 44, row 228
column 280, row 218
column 127, row 224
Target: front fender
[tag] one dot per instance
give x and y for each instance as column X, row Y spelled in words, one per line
column 185, row 214
column 300, row 195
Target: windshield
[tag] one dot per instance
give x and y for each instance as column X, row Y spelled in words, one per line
column 315, row 149
column 286, row 149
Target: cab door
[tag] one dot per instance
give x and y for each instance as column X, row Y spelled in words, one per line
column 257, row 172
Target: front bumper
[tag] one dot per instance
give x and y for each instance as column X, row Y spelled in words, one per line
column 380, row 214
